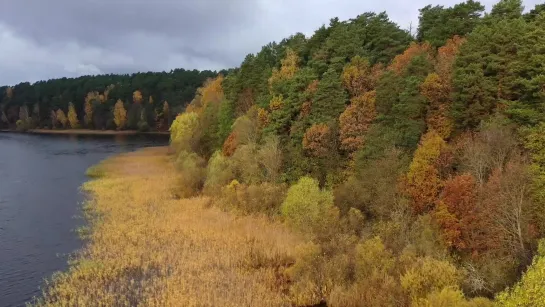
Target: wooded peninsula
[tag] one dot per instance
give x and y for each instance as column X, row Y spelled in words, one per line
column 361, row 166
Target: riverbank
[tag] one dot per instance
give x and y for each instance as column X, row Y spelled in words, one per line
column 146, row 246
column 87, row 132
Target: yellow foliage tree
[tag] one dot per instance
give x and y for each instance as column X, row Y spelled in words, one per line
column 120, row 115
column 212, row 91
column 88, row 106
column 359, row 77
column 287, row 70
column 61, row 118
column 150, row 100
column 423, row 182
column 106, row 94
column 137, row 96
column 276, row 103
column 72, row 116
column 9, row 92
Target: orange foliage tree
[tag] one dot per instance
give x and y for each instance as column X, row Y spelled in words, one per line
column 401, row 61
column 437, row 88
column 230, row 145
column 423, row 182
column 359, row 77
column 317, row 140
column 355, row 121
column 463, row 223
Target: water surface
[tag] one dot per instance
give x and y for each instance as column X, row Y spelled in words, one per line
column 40, row 176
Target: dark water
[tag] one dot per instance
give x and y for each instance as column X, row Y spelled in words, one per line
column 40, row 178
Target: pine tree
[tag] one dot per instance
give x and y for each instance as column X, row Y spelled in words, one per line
column 330, row 99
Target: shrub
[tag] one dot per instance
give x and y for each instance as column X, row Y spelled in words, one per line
column 306, row 206
column 428, row 275
column 192, row 173
column 21, row 125
column 258, row 198
column 314, row 274
column 143, row 126
column 530, row 290
column 218, row 174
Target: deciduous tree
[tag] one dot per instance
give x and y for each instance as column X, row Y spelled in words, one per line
column 72, row 116
column 120, row 115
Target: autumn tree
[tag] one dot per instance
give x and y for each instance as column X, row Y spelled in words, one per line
column 61, row 118
column 359, row 76
column 90, row 99
column 437, row 88
column 318, row 140
column 530, row 290
column 72, row 116
column 423, row 183
column 401, row 62
column 306, row 205
column 230, row 145
column 137, row 96
column 120, row 115
column 356, row 120
column 287, row 69
column 509, row 200
column 465, row 225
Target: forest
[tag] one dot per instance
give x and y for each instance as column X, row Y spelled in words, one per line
column 140, row 101
column 414, row 165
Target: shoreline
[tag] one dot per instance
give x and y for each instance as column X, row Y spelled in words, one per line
column 85, row 132
column 145, row 244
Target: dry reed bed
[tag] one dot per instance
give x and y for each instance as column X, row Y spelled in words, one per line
column 147, row 248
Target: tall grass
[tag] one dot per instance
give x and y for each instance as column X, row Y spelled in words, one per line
column 148, row 248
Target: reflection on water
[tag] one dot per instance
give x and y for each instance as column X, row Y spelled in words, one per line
column 39, row 199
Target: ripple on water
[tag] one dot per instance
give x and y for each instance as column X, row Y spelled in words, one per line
column 38, row 202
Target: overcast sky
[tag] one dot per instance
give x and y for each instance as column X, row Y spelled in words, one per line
column 42, row 39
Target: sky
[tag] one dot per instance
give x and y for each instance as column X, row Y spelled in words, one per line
column 43, row 39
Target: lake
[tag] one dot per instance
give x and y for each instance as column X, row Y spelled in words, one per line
column 40, row 203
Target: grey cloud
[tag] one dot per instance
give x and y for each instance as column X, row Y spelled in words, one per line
column 43, row 39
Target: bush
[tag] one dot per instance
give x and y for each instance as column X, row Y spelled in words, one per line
column 428, row 275
column 315, row 275
column 143, row 126
column 192, row 173
column 306, row 206
column 218, row 174
column 22, row 125
column 261, row 198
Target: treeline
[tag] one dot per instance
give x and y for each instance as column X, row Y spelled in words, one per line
column 414, row 165
column 141, row 101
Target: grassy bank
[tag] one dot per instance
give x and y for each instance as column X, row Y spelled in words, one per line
column 145, row 246
column 88, row 132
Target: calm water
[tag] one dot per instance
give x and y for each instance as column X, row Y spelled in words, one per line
column 40, row 199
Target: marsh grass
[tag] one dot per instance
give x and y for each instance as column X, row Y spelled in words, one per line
column 145, row 247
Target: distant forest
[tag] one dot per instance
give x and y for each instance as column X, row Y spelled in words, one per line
column 147, row 100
